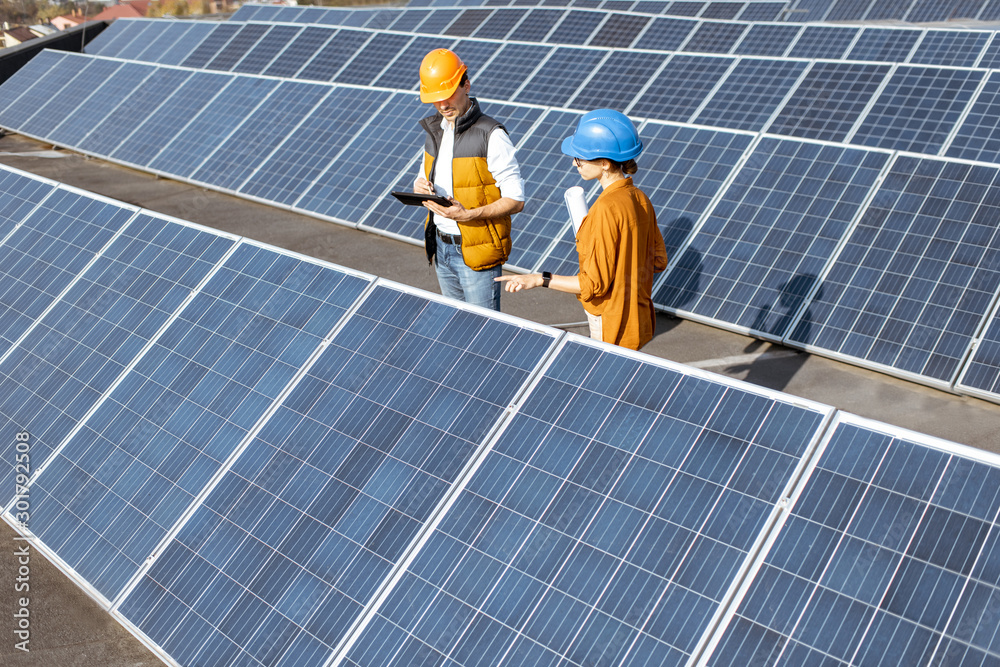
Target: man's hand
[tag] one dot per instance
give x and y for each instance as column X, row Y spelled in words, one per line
column 423, row 186
column 455, row 212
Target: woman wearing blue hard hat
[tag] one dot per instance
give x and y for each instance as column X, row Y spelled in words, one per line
column 619, row 244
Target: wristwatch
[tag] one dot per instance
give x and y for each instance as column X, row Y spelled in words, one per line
column 546, row 277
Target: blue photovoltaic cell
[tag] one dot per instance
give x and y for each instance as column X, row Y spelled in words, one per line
column 436, row 23
column 149, row 32
column 475, row 53
column 170, row 33
column 950, row 48
column 751, row 94
column 931, row 11
column 982, row 372
column 829, row 100
column 93, row 111
column 977, row 137
column 774, row 230
column 211, row 45
column 555, row 82
column 617, row 81
column 47, row 252
column 809, row 11
column 888, row 9
column 511, row 67
column 766, row 11
column 378, row 52
column 300, row 534
column 536, row 25
column 369, row 164
column 32, row 72
column 267, row 13
column 991, row 56
column 403, row 73
column 151, row 135
column 602, row 528
column 498, row 25
column 620, row 30
column 389, row 215
column 681, row 87
column 44, row 89
column 68, row 98
column 186, row 45
column 19, row 195
column 721, row 10
column 767, row 39
column 848, row 10
column 665, row 34
column 684, row 8
column 303, row 48
column 277, row 38
column 260, row 133
column 75, row 353
column 990, row 11
column 310, row 149
column 203, row 135
column 125, row 478
column 123, row 39
column 576, row 27
column 917, row 276
column 884, row 45
column 888, row 558
column 112, row 38
column 821, row 41
column 682, row 170
column 246, row 13
column 715, row 37
column 468, row 22
column 409, row 19
column 918, row 109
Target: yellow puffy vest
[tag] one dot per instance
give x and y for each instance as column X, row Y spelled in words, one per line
column 485, row 243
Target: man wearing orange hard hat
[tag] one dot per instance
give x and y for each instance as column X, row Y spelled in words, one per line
column 468, row 158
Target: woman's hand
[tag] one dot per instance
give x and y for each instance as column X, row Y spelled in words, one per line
column 518, row 283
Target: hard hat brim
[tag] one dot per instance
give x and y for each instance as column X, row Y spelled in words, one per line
column 437, row 95
column 570, row 148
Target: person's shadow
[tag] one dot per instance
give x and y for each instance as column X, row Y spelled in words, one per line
column 681, row 285
column 775, row 371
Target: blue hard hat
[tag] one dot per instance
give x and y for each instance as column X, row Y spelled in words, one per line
column 603, row 133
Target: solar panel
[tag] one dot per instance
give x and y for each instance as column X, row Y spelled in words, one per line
column 991, row 55
column 19, row 195
column 681, row 170
column 387, row 215
column 930, row 11
column 211, row 127
column 475, row 54
column 888, row 9
column 409, row 19
column 976, row 137
column 765, row 11
column 620, row 30
column 150, row 136
column 73, row 355
column 684, row 8
column 47, row 251
column 576, row 27
column 105, row 98
column 499, row 24
column 403, row 73
column 767, row 39
column 820, row 41
column 373, row 57
column 751, row 94
column 559, row 77
column 715, row 37
column 343, row 478
column 369, row 164
column 313, row 145
column 953, row 48
column 112, row 38
column 267, row 126
column 759, row 253
column 42, row 66
column 211, row 45
column 169, row 35
column 914, row 280
column 848, row 10
column 54, row 74
column 681, row 87
column 884, row 44
column 468, row 22
column 829, row 100
column 990, row 11
column 186, row 45
column 437, row 22
column 145, row 34
column 118, row 487
column 536, row 25
column 667, row 34
column 571, row 543
column 721, row 10
column 269, row 46
column 918, row 109
column 309, row 43
column 617, row 81
column 512, row 66
column 246, row 12
column 69, row 97
column 886, row 557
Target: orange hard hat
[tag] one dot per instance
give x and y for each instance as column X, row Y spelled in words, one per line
column 440, row 73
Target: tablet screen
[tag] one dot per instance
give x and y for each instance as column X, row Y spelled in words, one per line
column 417, row 198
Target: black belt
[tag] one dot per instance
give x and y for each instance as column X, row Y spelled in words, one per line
column 448, row 238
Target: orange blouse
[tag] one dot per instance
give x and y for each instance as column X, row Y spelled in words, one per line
column 620, row 249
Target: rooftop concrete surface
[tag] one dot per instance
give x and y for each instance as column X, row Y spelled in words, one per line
column 965, row 420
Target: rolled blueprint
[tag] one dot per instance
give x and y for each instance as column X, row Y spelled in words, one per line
column 577, row 205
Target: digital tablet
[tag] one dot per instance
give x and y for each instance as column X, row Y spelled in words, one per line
column 417, row 198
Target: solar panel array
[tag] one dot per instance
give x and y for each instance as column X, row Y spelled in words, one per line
column 248, row 456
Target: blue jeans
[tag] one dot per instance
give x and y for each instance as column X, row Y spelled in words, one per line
column 458, row 281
